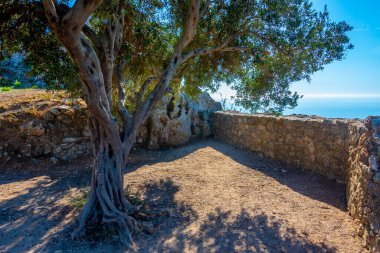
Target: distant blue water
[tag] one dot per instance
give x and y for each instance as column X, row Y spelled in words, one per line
column 337, row 107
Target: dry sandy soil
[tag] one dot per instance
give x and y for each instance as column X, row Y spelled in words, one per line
column 221, row 200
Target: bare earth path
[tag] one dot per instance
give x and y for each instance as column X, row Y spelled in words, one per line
column 221, row 200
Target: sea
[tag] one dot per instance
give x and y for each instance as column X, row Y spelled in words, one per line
column 340, row 107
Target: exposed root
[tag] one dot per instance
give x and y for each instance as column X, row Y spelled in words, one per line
column 126, row 224
column 106, row 203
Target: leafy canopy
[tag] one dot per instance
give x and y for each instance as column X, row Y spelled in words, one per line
column 257, row 47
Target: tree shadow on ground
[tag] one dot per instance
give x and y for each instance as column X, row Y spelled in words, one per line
column 318, row 187
column 221, row 232
column 31, row 217
column 243, row 233
column 34, row 228
column 33, row 220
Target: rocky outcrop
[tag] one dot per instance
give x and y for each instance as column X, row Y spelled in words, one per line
column 175, row 121
column 61, row 131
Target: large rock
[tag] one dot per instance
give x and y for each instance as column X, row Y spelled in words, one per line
column 175, row 121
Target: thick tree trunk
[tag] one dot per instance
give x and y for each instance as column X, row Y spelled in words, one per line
column 106, row 202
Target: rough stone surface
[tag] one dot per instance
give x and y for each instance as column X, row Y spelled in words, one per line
column 345, row 150
column 363, row 188
column 317, row 144
column 175, row 122
column 61, row 132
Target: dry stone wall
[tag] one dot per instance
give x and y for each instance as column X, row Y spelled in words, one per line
column 345, row 150
column 363, row 180
column 61, row 132
column 314, row 143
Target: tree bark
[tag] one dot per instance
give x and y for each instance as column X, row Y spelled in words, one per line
column 106, row 202
column 111, row 147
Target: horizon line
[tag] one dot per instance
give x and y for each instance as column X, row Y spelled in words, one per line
column 341, row 95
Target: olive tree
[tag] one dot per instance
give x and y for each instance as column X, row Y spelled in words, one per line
column 128, row 54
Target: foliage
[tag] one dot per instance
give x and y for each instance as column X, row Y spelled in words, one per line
column 17, row 84
column 286, row 41
column 6, row 88
column 258, row 47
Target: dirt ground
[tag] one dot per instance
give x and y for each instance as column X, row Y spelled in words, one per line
column 221, row 200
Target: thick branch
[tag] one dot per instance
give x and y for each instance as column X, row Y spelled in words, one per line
column 92, row 36
column 190, row 25
column 77, row 17
column 122, row 110
column 50, row 11
column 141, row 93
column 162, row 86
column 111, row 42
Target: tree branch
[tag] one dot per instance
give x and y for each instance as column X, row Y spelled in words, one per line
column 199, row 52
column 140, row 95
column 77, row 17
column 50, row 11
column 190, row 25
column 120, row 105
column 90, row 33
column 221, row 48
column 111, row 42
column 162, row 86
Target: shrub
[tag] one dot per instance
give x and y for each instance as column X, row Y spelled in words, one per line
column 6, row 88
column 17, row 84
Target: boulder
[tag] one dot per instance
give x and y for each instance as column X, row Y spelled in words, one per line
column 175, row 121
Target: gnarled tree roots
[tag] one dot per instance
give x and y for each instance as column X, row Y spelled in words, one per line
column 126, row 223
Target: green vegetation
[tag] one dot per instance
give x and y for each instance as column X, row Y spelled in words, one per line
column 286, row 41
column 17, row 84
column 79, row 202
column 130, row 53
column 6, row 88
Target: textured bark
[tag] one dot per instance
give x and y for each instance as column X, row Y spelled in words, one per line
column 96, row 63
column 106, row 202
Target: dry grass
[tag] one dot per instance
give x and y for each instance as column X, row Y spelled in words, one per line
column 30, row 102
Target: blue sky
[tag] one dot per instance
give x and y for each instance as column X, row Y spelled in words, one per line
column 358, row 75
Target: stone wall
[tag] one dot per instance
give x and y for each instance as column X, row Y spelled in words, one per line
column 61, row 132
column 314, row 143
column 345, row 150
column 363, row 180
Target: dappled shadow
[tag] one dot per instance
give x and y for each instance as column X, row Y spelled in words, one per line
column 250, row 233
column 223, row 232
column 30, row 218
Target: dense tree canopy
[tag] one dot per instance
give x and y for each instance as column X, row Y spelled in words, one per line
column 257, row 47
column 124, row 56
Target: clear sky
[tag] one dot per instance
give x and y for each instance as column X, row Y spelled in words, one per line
column 358, row 75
